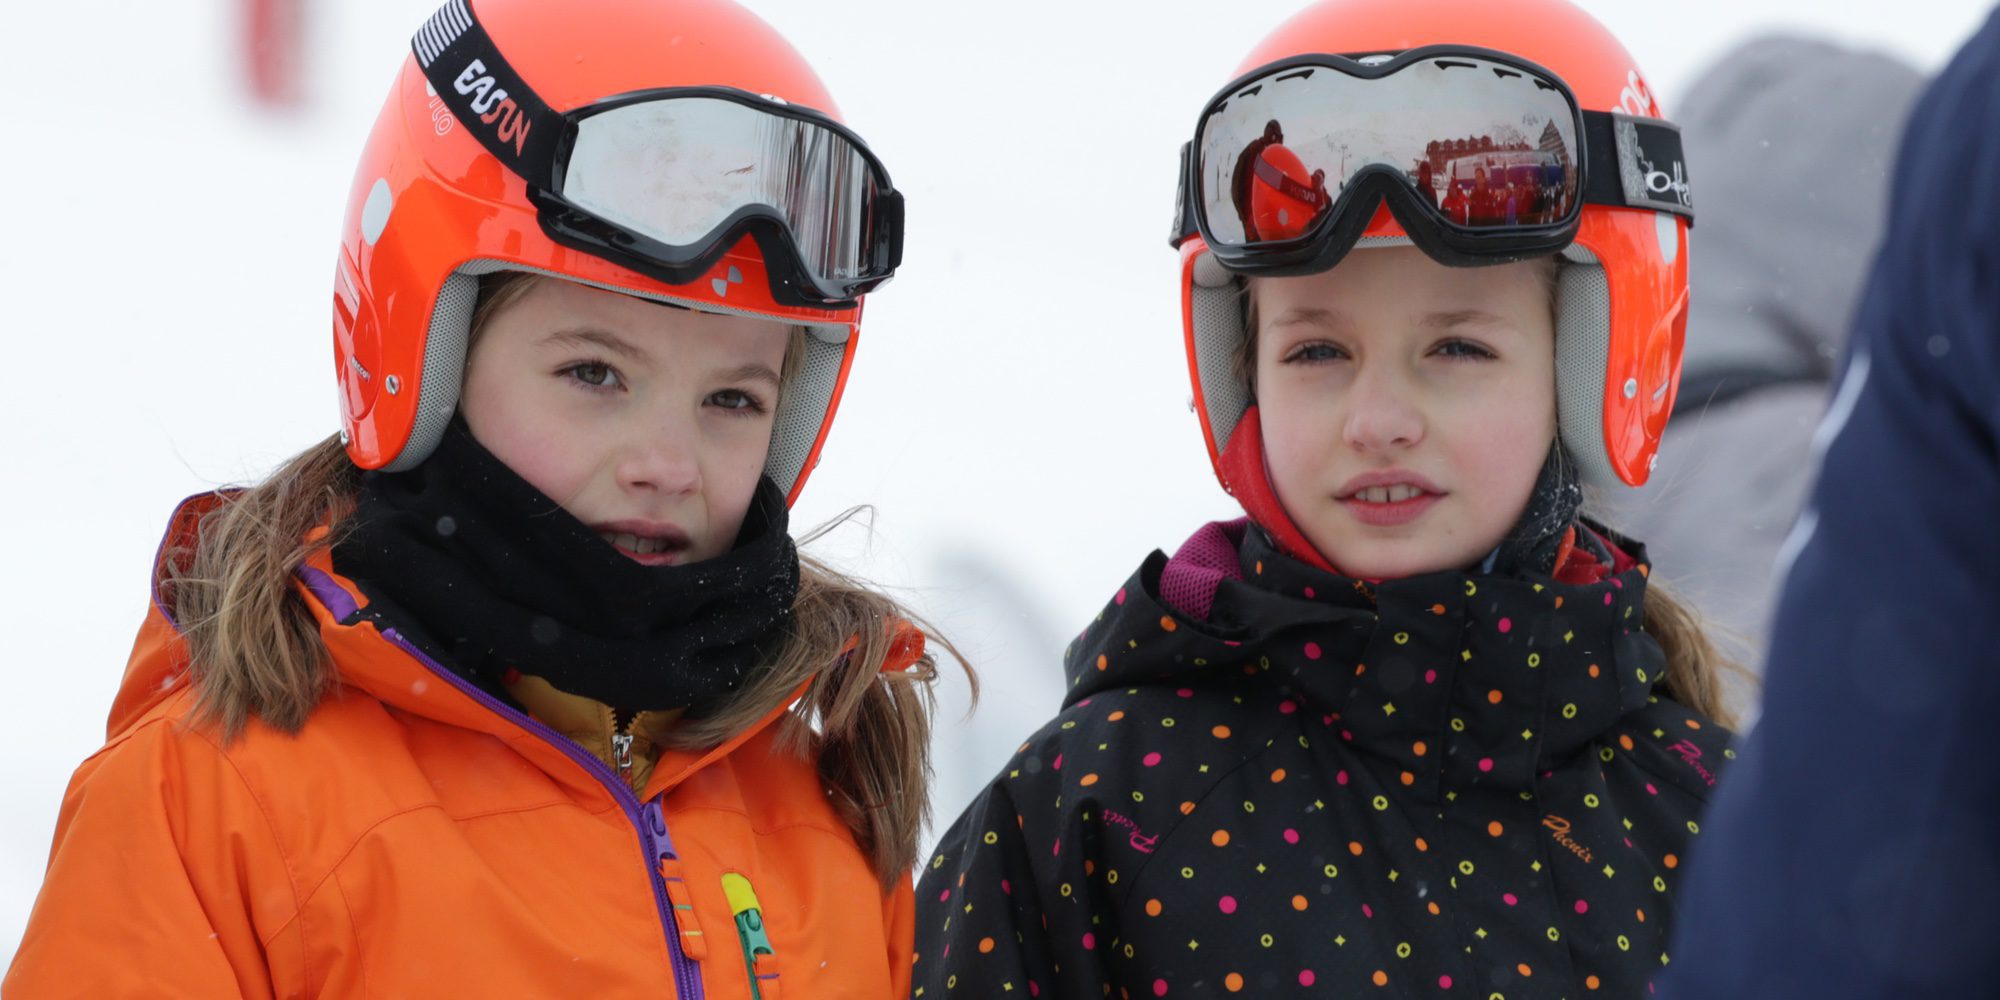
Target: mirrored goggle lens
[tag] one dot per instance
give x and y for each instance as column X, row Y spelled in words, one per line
column 1486, row 144
column 675, row 170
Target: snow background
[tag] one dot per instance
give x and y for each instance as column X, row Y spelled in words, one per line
column 1018, row 414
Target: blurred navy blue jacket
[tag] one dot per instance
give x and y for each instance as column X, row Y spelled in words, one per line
column 1854, row 850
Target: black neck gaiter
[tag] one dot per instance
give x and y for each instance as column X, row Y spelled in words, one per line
column 1552, row 509
column 503, row 577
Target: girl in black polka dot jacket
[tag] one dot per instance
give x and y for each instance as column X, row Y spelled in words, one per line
column 1415, row 727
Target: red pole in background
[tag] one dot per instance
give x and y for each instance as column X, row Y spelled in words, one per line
column 273, row 46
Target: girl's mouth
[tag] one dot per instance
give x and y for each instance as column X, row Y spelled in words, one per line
column 1389, row 506
column 649, row 548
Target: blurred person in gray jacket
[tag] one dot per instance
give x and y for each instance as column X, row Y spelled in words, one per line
column 1791, row 142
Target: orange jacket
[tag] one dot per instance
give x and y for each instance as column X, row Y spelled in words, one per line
column 416, row 838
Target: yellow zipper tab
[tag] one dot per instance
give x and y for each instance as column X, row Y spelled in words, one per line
column 757, row 951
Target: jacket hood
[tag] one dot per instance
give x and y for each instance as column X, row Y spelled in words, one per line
column 1792, row 141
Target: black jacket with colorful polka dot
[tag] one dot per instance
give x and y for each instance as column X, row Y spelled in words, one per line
column 1278, row 780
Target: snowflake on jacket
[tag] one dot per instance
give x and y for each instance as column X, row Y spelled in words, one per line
column 1449, row 785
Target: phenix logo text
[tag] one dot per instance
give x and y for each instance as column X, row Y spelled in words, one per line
column 491, row 104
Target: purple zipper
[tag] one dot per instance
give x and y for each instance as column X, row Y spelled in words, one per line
column 650, row 820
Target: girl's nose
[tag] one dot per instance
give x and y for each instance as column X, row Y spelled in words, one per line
column 1382, row 415
column 660, row 456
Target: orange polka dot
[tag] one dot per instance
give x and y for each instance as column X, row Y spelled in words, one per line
column 1420, row 749
column 1298, row 902
column 1593, row 670
column 1115, row 716
column 1260, row 566
column 1494, row 829
column 1354, row 848
column 1167, row 622
column 1524, row 970
column 1219, row 838
column 1591, row 981
column 1559, row 602
column 1187, row 808
column 1434, row 910
column 1422, row 845
column 1360, row 668
column 1089, row 780
column 1437, row 609
column 1409, row 779
column 1673, row 862
column 1693, row 724
column 1381, row 978
column 1278, row 775
column 1493, row 697
column 1625, row 741
column 1234, row 982
column 1089, row 867
column 1103, row 661
column 985, row 946
column 1642, row 916
column 1220, row 732
column 1153, row 907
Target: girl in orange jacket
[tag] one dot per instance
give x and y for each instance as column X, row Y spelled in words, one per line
column 518, row 686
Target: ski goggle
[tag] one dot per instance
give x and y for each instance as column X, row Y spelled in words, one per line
column 664, row 181
column 1481, row 156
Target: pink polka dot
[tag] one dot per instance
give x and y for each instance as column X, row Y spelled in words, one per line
column 1312, row 651
column 1185, row 692
column 1607, row 598
column 1367, row 911
column 1033, row 989
column 1120, row 599
column 1291, row 836
column 1444, row 982
column 1089, row 941
column 1151, row 760
column 1228, row 904
column 1306, row 977
column 1650, row 790
column 1340, row 779
column 1006, row 887
column 1582, row 907
column 1430, row 677
column 1159, row 987
column 1309, row 592
column 1058, row 849
column 1510, row 899
column 1058, row 764
column 1287, row 707
column 1486, row 763
column 944, row 896
column 1506, row 625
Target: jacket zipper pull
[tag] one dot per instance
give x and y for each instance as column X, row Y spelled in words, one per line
column 758, row 955
column 621, row 752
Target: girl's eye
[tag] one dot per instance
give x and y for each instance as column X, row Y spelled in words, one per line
column 1463, row 349
column 595, row 374
column 737, row 400
column 1312, row 353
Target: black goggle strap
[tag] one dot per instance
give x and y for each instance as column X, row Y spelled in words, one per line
column 1631, row 162
column 1635, row 163
column 488, row 98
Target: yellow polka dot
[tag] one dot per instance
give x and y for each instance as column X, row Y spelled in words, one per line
column 1220, row 838
column 1153, row 907
column 1089, row 780
column 1298, row 903
column 1220, row 732
column 1234, row 982
column 985, row 946
column 1167, row 622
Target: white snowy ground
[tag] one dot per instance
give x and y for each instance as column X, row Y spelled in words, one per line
column 1018, row 413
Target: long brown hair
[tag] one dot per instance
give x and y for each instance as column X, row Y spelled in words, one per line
column 1696, row 667
column 255, row 651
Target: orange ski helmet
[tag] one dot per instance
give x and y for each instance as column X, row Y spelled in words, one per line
column 1622, row 292
column 433, row 208
column 1284, row 195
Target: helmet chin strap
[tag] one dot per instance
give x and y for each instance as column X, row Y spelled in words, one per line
column 1539, row 542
